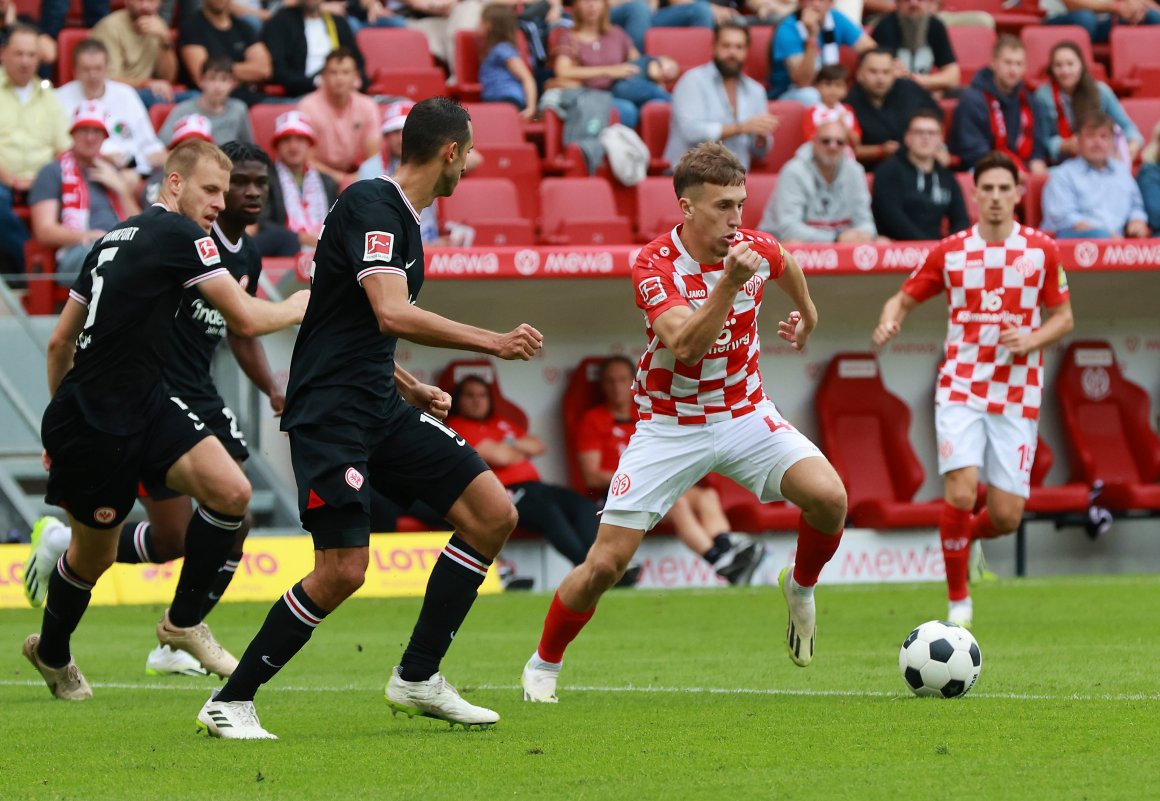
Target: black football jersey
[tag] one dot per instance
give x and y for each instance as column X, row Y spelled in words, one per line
column 131, row 283
column 199, row 327
column 343, row 367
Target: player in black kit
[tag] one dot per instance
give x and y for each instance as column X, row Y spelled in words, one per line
column 356, row 418
column 109, row 422
column 197, row 333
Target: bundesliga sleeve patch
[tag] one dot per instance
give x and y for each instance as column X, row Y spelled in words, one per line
column 379, row 246
column 207, row 251
column 652, row 291
column 1062, row 279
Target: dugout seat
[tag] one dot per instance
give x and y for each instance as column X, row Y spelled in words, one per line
column 865, row 433
column 499, row 137
column 460, row 369
column 399, row 63
column 1106, row 419
column 746, row 513
column 689, row 47
column 490, row 206
column 580, row 395
column 1054, row 501
column 581, row 211
column 972, row 45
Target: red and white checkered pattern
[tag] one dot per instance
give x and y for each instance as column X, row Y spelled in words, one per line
column 726, row 383
column 992, row 286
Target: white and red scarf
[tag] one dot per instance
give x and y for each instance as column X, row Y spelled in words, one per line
column 305, row 208
column 74, row 194
column 1025, row 141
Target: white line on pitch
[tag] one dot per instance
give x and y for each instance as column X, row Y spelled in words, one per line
column 772, row 691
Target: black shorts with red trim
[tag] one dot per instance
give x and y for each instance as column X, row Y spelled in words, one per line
column 413, row 457
column 94, row 475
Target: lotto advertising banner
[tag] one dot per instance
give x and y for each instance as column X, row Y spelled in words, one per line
column 615, row 261
column 399, row 566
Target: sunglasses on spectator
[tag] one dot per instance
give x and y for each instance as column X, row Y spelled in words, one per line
column 831, row 141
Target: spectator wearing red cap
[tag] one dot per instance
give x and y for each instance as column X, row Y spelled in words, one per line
column 194, row 126
column 81, row 195
column 300, row 195
column 345, row 120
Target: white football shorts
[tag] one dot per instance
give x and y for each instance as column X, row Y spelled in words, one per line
column 1002, row 447
column 663, row 460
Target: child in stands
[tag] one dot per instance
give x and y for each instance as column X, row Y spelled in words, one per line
column 503, row 73
column 832, row 84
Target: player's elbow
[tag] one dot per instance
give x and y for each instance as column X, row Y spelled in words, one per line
column 687, row 354
column 390, row 323
column 245, row 326
column 1066, row 321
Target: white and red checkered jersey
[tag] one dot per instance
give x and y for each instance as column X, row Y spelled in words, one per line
column 991, row 286
column 726, row 383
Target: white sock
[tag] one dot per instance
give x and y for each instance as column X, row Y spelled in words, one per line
column 539, row 663
column 964, row 605
column 799, row 590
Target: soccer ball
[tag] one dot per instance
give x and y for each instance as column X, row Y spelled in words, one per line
column 940, row 659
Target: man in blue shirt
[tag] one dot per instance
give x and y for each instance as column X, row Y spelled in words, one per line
column 807, row 41
column 1093, row 196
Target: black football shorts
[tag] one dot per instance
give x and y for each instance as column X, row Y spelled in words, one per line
column 221, row 422
column 413, row 457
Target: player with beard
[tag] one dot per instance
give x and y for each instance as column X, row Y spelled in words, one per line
column 198, row 330
column 709, row 100
column 112, row 422
column 995, row 276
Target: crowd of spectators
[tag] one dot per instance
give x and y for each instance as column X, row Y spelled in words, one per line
column 891, row 120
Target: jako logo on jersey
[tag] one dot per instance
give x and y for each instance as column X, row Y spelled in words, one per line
column 620, row 484
column 379, row 246
column 992, row 300
column 652, row 291
column 207, row 251
column 104, row 515
column 354, row 478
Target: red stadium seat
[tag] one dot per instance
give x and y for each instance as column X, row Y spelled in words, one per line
column 581, row 211
column 44, row 295
column 581, row 394
column 760, row 46
column 967, row 185
column 65, row 44
column 460, row 369
column 398, row 62
column 1039, row 39
column 787, row 138
column 865, row 432
column 1033, row 199
column 262, row 119
column 158, row 113
column 1134, row 52
column 490, row 206
column 499, row 137
column 656, row 208
column 758, row 189
column 1057, row 500
column 654, row 130
column 1144, row 111
column 972, row 46
column 689, row 47
column 467, row 61
column 1107, row 421
column 1007, row 19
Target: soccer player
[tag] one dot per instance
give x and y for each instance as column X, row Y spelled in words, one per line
column 357, row 420
column 197, row 332
column 996, row 275
column 703, row 407
column 109, row 422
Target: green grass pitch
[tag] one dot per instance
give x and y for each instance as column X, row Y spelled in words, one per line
column 667, row 695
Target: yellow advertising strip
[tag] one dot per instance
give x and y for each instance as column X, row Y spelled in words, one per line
column 399, row 567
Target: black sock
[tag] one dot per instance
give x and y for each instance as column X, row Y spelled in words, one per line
column 451, row 591
column 136, row 545
column 721, row 544
column 209, row 540
column 221, row 581
column 68, row 598
column 287, row 628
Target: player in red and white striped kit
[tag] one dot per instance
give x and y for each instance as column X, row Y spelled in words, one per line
column 996, row 276
column 703, row 408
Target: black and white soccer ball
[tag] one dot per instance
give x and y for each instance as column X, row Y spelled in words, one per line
column 940, row 659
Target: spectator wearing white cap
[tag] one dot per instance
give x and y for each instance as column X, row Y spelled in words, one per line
column 194, row 126
column 346, row 122
column 228, row 117
column 300, row 195
column 78, row 197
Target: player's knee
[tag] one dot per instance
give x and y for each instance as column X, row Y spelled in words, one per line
column 605, row 568
column 829, row 505
column 231, row 496
column 1006, row 520
column 348, row 575
column 961, row 496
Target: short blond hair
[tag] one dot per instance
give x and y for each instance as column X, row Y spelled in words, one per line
column 186, row 156
column 707, row 163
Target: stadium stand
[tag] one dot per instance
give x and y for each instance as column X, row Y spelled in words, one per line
column 689, row 47
column 1144, row 111
column 1009, row 17
column 786, row 139
column 467, row 61
column 1033, row 199
column 1135, row 59
column 865, row 433
column 654, row 131
column 581, row 211
column 262, row 119
column 399, row 63
column 69, row 39
column 490, row 206
column 656, row 209
column 972, row 46
column 758, row 189
column 1107, row 422
column 760, row 46
column 499, row 138
column 1039, row 39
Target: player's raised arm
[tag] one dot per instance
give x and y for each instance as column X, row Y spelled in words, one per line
column 690, row 334
column 248, row 316
column 399, row 318
column 796, row 328
column 923, row 284
column 62, row 345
